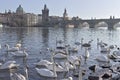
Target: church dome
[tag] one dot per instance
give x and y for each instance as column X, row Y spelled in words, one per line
column 19, row 10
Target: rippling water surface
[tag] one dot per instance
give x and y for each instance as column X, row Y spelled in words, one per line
column 38, row 39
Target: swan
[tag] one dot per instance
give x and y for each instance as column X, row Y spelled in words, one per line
column 117, row 53
column 60, row 56
column 60, row 45
column 73, row 49
column 114, row 55
column 43, row 63
column 17, row 76
column 9, row 65
column 60, row 51
column 82, row 40
column 46, row 73
column 101, row 43
column 105, row 49
column 77, row 43
column 102, row 58
column 0, row 64
column 87, row 54
column 112, row 46
column 74, row 60
column 67, row 65
column 20, row 53
column 13, row 49
column 71, row 59
column 49, row 65
column 98, row 41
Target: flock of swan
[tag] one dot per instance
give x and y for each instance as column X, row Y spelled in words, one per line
column 9, row 65
column 49, row 69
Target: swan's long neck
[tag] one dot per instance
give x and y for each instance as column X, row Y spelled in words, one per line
column 26, row 73
column 25, row 67
column 86, row 53
column 54, row 66
column 66, row 66
column 80, row 74
column 81, row 41
column 7, row 46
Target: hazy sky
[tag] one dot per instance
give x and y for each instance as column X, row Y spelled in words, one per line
column 82, row 8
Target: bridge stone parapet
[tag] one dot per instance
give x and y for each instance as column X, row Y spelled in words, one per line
column 93, row 22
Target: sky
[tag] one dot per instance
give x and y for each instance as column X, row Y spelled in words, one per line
column 85, row 9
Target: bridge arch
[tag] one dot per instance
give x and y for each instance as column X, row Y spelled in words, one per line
column 85, row 24
column 101, row 24
column 116, row 25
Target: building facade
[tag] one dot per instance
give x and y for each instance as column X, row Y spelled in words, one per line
column 31, row 19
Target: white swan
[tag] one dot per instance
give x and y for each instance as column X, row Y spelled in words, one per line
column 13, row 49
column 102, row 58
column 9, row 65
column 49, row 65
column 46, row 73
column 114, row 55
column 82, row 41
column 74, row 60
column 17, row 76
column 20, row 53
column 26, row 72
column 73, row 49
column 87, row 54
column 105, row 49
column 67, row 65
column 43, row 63
column 60, row 56
column 60, row 51
column 0, row 64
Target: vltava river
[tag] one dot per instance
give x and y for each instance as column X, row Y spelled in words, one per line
column 36, row 40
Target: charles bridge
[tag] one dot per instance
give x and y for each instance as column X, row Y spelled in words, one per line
column 92, row 22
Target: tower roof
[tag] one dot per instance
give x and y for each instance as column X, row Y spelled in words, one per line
column 45, row 7
column 19, row 9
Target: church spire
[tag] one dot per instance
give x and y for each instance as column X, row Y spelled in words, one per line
column 65, row 15
column 45, row 7
column 65, row 11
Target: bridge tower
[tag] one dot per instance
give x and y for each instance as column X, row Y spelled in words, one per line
column 65, row 15
column 45, row 14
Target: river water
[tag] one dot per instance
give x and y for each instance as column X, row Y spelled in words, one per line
column 36, row 40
